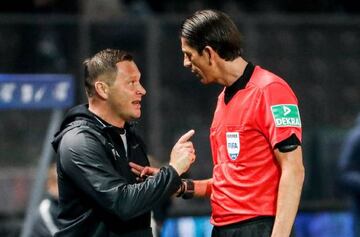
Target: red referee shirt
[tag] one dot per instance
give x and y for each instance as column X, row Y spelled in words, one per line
column 243, row 135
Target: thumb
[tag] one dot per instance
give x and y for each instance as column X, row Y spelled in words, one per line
column 186, row 136
column 144, row 171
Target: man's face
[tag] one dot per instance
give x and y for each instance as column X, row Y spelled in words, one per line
column 126, row 92
column 199, row 64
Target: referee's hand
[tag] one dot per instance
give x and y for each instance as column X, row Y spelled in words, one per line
column 143, row 171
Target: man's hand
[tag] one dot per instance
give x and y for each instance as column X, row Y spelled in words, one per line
column 183, row 153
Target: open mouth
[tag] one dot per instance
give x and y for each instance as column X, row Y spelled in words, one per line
column 137, row 102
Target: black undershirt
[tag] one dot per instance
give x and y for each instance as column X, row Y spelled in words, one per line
column 240, row 84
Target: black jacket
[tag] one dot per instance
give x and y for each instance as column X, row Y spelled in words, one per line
column 349, row 164
column 98, row 193
column 46, row 223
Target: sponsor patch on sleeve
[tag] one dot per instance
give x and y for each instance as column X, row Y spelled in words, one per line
column 286, row 115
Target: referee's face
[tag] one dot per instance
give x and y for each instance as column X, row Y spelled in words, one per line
column 197, row 63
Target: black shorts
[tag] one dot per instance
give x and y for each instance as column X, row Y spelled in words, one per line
column 256, row 227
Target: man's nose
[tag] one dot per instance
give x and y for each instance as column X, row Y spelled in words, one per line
column 187, row 62
column 141, row 90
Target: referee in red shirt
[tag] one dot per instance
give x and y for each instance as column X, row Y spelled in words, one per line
column 255, row 134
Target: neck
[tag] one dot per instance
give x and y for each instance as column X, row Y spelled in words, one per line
column 103, row 111
column 232, row 70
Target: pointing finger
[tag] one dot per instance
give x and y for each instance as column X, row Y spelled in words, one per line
column 186, row 136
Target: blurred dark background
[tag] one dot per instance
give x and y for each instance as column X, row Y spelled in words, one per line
column 314, row 45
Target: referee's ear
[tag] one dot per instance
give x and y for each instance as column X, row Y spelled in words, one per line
column 210, row 54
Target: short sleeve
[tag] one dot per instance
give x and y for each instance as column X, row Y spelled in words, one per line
column 278, row 113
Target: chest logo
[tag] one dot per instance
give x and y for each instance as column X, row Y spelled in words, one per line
column 233, row 144
column 286, row 115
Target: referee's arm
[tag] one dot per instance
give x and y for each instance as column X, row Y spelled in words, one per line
column 290, row 186
column 203, row 188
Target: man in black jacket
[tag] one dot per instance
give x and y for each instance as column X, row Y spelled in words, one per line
column 98, row 193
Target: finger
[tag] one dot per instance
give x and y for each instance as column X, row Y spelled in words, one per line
column 136, row 166
column 154, row 170
column 144, row 171
column 188, row 145
column 186, row 136
column 135, row 171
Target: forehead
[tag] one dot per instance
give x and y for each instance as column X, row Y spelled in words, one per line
column 185, row 47
column 128, row 68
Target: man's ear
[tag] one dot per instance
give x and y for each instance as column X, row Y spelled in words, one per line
column 102, row 89
column 210, row 54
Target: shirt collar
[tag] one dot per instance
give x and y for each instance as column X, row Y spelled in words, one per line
column 107, row 125
column 240, row 83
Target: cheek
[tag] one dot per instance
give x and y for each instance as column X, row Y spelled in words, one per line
column 119, row 97
column 200, row 68
column 124, row 98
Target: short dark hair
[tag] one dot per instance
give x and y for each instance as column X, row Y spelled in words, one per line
column 103, row 64
column 213, row 28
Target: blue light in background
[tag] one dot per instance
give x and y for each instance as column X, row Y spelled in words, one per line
column 36, row 91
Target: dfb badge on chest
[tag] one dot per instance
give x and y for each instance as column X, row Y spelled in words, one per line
column 233, row 144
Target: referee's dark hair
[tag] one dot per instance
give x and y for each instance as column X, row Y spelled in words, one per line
column 215, row 29
column 102, row 66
